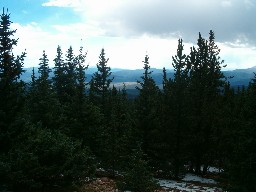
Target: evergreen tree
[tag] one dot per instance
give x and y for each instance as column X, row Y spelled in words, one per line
column 71, row 66
column 165, row 137
column 166, row 82
column 119, row 137
column 206, row 83
column 100, row 82
column 42, row 103
column 44, row 159
column 224, row 130
column 33, row 78
column 107, row 99
column 138, row 177
column 71, row 76
column 147, row 109
column 44, row 69
column 77, row 108
column 11, row 87
column 60, row 76
column 11, row 94
column 80, row 75
column 178, row 107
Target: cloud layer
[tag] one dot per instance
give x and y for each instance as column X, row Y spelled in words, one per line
column 130, row 29
column 231, row 19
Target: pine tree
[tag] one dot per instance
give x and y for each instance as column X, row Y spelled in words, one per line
column 33, row 78
column 147, row 88
column 138, row 176
column 206, row 83
column 44, row 69
column 47, row 158
column 70, row 62
column 165, row 137
column 60, row 74
column 224, row 130
column 80, row 75
column 42, row 102
column 11, row 87
column 119, row 137
column 178, row 105
column 100, row 82
column 147, row 106
column 166, row 81
column 77, row 107
column 71, row 76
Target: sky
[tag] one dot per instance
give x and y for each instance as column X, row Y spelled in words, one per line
column 130, row 29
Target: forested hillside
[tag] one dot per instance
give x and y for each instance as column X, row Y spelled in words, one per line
column 62, row 129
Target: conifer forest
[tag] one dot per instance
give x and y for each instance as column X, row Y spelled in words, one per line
column 62, row 131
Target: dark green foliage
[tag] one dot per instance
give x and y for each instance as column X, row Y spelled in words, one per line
column 45, row 158
column 80, row 75
column 44, row 69
column 147, row 108
column 206, row 83
column 74, row 75
column 100, row 82
column 11, row 95
column 118, row 134
column 43, row 82
column 71, row 66
column 60, row 76
column 11, row 89
column 241, row 161
column 42, row 103
column 175, row 112
column 138, row 177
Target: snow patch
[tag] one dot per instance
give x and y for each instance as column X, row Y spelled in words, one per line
column 187, row 185
column 170, row 184
column 215, row 170
column 192, row 177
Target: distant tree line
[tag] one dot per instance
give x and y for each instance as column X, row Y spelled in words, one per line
column 59, row 131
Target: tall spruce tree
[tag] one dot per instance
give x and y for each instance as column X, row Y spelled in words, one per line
column 77, row 107
column 11, row 67
column 44, row 71
column 119, row 134
column 178, row 97
column 70, row 61
column 138, row 176
column 70, row 69
column 80, row 75
column 42, row 103
column 100, row 82
column 33, row 78
column 147, row 103
column 206, row 83
column 166, row 123
column 60, row 74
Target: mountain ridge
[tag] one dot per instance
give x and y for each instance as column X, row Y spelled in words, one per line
column 240, row 77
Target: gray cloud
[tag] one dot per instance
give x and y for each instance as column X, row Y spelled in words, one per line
column 232, row 20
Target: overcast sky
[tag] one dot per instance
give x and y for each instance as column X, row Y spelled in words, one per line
column 130, row 29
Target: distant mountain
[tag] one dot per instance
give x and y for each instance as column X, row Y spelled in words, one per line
column 134, row 75
column 241, row 77
column 92, row 70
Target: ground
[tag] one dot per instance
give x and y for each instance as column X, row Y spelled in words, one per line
column 190, row 183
